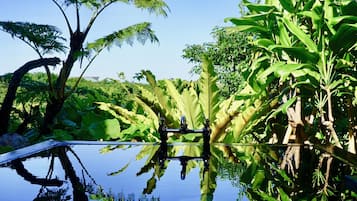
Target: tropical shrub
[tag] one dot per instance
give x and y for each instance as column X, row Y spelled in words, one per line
column 306, row 59
column 307, row 52
column 230, row 119
column 79, row 119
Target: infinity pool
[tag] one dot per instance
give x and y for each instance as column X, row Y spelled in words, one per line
column 137, row 171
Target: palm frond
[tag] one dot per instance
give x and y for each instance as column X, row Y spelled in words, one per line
column 42, row 38
column 141, row 32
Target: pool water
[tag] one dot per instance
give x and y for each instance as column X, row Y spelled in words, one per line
column 120, row 172
column 137, row 171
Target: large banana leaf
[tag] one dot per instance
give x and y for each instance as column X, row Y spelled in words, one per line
column 298, row 53
column 229, row 109
column 345, row 39
column 288, row 5
column 193, row 111
column 284, row 38
column 156, row 98
column 149, row 112
column 175, row 97
column 247, row 25
column 209, row 94
column 303, row 37
column 280, row 70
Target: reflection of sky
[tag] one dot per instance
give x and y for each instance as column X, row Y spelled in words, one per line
column 168, row 187
column 15, row 188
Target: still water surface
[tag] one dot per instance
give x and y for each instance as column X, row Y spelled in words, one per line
column 153, row 172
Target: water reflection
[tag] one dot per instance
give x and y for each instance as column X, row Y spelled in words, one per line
column 163, row 156
column 156, row 172
column 47, row 192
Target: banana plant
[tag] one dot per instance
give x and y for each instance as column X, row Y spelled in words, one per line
column 308, row 53
column 306, row 47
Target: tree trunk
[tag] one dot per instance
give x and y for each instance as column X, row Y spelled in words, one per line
column 57, row 99
column 54, row 106
column 14, row 84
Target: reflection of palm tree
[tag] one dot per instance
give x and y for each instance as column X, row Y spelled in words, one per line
column 79, row 189
column 45, row 193
column 23, row 172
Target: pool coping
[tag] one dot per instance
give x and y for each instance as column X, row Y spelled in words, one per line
column 29, row 150
column 49, row 144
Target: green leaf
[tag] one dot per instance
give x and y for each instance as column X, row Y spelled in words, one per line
column 282, row 108
column 175, row 96
column 283, row 195
column 160, row 96
column 147, row 151
column 336, row 20
column 280, row 70
column 265, row 196
column 252, row 17
column 42, row 38
column 193, row 111
column 344, row 39
column 249, row 173
column 283, row 35
column 209, row 93
column 119, row 171
column 335, row 84
column 159, row 7
column 299, row 53
column 281, row 172
column 247, row 24
column 314, row 15
column 258, row 178
column 243, row 119
column 142, row 32
column 287, row 5
column 248, row 28
column 106, row 129
column 265, row 43
column 260, row 7
column 150, row 185
column 307, row 74
column 304, row 38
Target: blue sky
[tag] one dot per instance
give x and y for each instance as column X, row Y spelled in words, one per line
column 188, row 22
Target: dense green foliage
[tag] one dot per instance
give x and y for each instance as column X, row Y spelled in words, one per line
column 78, row 118
column 300, row 62
column 230, row 55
